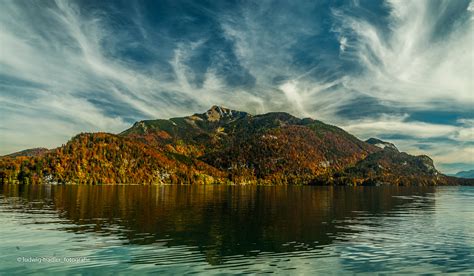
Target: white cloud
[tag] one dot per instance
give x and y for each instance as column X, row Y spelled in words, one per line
column 398, row 125
column 292, row 94
column 342, row 43
column 409, row 64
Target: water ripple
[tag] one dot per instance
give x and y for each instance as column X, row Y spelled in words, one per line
column 216, row 230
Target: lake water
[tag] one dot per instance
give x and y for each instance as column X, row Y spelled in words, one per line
column 236, row 229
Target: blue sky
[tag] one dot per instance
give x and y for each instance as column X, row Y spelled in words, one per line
column 397, row 70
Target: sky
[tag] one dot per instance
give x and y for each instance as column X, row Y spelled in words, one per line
column 401, row 71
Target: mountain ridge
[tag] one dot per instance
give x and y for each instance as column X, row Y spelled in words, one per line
column 465, row 174
column 225, row 146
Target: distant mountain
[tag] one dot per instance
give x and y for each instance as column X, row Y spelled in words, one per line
column 29, row 152
column 225, row 146
column 465, row 174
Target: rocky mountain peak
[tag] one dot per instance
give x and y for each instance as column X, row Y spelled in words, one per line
column 381, row 144
column 217, row 113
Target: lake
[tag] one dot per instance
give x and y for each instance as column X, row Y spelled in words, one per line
column 236, row 229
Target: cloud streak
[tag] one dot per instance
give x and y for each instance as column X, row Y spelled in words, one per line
column 426, row 55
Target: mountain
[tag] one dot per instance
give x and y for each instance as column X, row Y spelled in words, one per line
column 29, row 152
column 465, row 174
column 225, row 146
column 273, row 147
column 103, row 158
column 381, row 144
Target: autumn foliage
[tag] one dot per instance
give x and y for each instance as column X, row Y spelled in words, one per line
column 221, row 146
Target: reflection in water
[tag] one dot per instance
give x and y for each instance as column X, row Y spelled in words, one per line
column 247, row 228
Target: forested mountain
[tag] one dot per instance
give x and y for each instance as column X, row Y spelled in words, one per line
column 224, row 146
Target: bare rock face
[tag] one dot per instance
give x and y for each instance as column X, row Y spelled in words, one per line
column 217, row 113
column 381, row 144
column 427, row 164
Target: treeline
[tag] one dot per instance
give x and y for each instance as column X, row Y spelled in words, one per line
column 102, row 158
column 275, row 148
column 287, row 155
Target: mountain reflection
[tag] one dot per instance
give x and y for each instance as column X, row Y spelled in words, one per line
column 218, row 220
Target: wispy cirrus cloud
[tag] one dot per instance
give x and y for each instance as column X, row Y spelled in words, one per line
column 62, row 68
column 371, row 67
column 424, row 53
